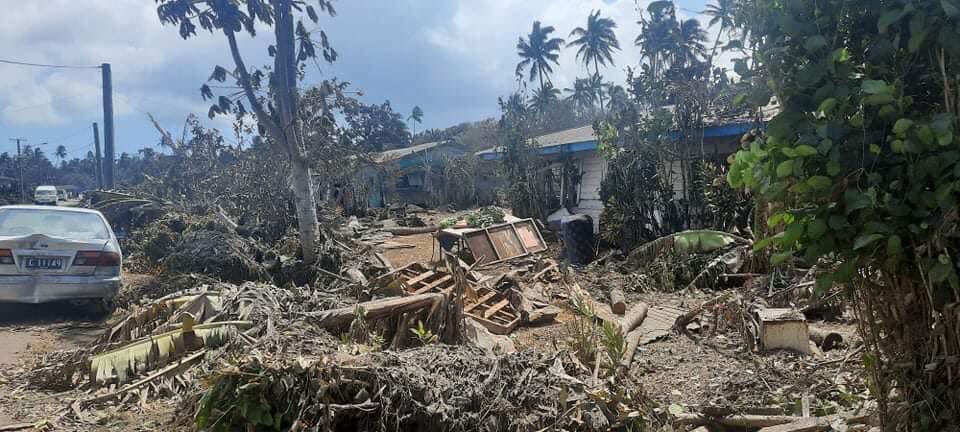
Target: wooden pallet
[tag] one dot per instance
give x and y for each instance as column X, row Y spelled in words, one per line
column 485, row 305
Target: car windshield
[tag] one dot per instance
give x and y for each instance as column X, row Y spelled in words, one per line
column 70, row 225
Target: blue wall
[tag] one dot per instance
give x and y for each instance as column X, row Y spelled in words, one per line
column 727, row 130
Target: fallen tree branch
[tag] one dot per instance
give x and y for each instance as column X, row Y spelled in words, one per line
column 680, row 324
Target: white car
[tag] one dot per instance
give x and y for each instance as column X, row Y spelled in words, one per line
column 45, row 195
column 57, row 253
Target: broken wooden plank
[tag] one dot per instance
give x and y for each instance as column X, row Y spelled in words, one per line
column 544, row 271
column 376, row 309
column 493, row 309
column 417, row 279
column 480, row 301
column 433, row 284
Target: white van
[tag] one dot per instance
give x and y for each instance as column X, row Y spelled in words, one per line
column 45, row 195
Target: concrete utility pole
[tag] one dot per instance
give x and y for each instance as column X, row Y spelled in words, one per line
column 107, row 126
column 20, row 166
column 98, row 168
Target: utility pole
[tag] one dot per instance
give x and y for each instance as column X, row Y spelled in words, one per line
column 20, row 166
column 107, row 171
column 98, row 169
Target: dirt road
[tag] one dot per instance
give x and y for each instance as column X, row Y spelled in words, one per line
column 28, row 330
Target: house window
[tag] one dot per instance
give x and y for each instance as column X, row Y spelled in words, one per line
column 410, row 180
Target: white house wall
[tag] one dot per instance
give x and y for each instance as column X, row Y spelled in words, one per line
column 593, row 167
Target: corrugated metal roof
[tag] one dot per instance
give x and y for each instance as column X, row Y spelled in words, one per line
column 567, row 136
column 392, row 155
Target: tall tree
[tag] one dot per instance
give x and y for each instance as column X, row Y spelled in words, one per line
column 656, row 39
column 537, row 52
column 60, row 153
column 596, row 43
column 582, row 95
column 417, row 117
column 690, row 45
column 543, row 98
column 374, row 127
column 277, row 110
column 723, row 13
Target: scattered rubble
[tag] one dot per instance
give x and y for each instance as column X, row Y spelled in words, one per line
column 240, row 331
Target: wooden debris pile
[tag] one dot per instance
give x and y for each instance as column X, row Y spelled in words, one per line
column 437, row 387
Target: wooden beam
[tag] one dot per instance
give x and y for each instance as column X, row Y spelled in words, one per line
column 433, row 284
column 493, row 309
column 416, row 280
column 481, row 301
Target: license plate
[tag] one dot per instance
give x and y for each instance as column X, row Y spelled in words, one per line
column 47, row 263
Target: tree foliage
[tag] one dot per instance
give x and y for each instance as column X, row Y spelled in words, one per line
column 862, row 168
column 537, row 52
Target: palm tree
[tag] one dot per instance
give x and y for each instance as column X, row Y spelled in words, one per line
column 60, row 153
column 690, row 45
column 417, row 117
column 596, row 43
column 582, row 95
column 544, row 97
column 721, row 13
column 657, row 39
column 537, row 52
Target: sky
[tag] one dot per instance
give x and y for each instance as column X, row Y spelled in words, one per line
column 453, row 58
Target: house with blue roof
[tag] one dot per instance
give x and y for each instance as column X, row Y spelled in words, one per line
column 581, row 147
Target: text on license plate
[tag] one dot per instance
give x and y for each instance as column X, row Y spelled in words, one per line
column 43, row 262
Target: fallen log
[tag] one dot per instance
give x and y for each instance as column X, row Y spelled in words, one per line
column 618, row 302
column 632, row 342
column 740, row 421
column 633, row 319
column 818, row 424
column 630, row 325
column 376, row 309
column 825, row 339
column 401, row 231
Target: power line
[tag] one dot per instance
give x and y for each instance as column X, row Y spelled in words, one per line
column 52, row 66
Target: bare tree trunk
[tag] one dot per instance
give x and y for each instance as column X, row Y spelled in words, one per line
column 596, row 68
column 284, row 83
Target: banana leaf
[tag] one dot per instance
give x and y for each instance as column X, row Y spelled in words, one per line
column 685, row 242
column 156, row 351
